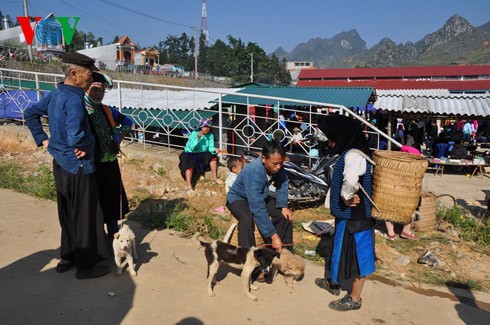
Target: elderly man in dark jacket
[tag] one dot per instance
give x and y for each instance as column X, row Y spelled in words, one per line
column 72, row 146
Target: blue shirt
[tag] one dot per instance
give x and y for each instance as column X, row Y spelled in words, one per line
column 68, row 128
column 252, row 186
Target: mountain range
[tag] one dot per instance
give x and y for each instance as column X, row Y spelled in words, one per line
column 455, row 43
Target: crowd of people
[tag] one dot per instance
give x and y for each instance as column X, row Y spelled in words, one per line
column 84, row 141
column 418, row 133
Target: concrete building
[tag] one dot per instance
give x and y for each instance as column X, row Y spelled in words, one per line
column 113, row 56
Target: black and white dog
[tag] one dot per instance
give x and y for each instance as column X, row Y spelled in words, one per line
column 241, row 257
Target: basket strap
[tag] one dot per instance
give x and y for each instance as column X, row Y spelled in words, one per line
column 363, row 155
column 369, row 198
column 360, row 186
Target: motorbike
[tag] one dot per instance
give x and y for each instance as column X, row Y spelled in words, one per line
column 306, row 185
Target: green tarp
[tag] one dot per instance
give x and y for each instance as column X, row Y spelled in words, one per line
column 349, row 97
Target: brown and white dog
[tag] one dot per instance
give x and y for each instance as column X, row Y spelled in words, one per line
column 241, row 257
column 124, row 245
column 291, row 266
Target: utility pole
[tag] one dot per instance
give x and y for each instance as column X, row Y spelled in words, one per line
column 251, row 67
column 195, row 52
column 26, row 14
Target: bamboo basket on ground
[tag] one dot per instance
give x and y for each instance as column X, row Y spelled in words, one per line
column 397, row 184
column 259, row 241
column 427, row 211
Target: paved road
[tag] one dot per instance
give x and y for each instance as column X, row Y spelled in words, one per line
column 170, row 286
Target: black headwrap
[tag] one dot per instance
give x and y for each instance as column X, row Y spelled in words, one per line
column 346, row 132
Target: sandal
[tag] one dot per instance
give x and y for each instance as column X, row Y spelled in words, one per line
column 390, row 237
column 410, row 236
column 219, row 211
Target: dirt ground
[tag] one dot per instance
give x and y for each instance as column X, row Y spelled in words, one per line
column 152, row 172
column 170, row 285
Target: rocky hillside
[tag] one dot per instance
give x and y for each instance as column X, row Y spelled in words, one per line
column 328, row 52
column 457, row 42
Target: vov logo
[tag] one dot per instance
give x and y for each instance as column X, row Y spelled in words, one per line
column 48, row 31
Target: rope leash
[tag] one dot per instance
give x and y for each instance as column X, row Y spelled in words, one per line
column 283, row 245
column 120, row 156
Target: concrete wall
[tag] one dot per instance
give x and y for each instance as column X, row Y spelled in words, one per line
column 106, row 54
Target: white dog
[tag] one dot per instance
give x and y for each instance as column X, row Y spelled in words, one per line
column 124, row 245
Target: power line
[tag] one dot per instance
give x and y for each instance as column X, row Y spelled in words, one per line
column 145, row 15
column 111, row 23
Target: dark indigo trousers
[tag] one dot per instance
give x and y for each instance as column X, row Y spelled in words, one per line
column 81, row 218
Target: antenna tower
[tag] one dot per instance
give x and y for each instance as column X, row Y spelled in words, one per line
column 204, row 23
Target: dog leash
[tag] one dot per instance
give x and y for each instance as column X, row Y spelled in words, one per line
column 120, row 156
column 283, row 245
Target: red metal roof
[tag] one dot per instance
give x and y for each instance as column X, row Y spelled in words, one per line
column 451, row 85
column 397, row 72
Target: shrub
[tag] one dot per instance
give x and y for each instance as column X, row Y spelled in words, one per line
column 178, row 220
column 468, row 227
column 11, row 177
column 41, row 184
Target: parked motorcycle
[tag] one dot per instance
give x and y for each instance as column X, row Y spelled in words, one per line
column 305, row 185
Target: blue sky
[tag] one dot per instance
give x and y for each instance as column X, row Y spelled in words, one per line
column 269, row 23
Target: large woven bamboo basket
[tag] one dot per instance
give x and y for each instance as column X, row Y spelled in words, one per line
column 397, row 184
column 259, row 241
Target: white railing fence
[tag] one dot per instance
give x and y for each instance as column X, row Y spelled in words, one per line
column 164, row 115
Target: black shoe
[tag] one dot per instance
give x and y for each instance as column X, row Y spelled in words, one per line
column 328, row 285
column 345, row 304
column 63, row 267
column 96, row 272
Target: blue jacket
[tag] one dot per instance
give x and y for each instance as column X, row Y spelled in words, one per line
column 252, row 186
column 68, row 127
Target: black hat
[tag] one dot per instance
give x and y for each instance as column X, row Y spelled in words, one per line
column 103, row 79
column 79, row 59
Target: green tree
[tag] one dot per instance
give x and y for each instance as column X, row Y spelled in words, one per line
column 203, row 54
column 171, row 45
column 77, row 41
column 218, row 60
column 162, row 52
column 234, row 60
column 178, row 50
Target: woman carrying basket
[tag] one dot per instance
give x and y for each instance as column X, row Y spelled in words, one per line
column 353, row 248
